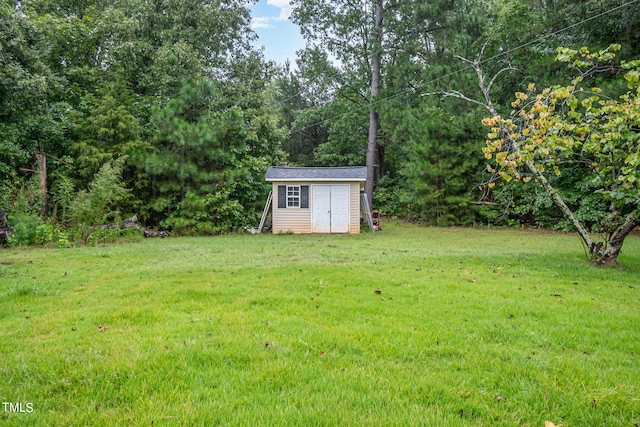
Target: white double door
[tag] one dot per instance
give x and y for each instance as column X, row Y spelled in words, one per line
column 330, row 209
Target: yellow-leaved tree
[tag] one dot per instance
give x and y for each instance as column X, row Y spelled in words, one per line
column 562, row 125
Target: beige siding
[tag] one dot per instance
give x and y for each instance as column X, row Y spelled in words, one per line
column 291, row 220
column 354, row 202
column 298, row 220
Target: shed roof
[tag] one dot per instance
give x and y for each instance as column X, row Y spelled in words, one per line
column 349, row 173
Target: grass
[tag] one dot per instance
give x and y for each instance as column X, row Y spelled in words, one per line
column 469, row 328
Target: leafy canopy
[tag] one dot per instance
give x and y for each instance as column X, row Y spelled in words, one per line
column 575, row 124
column 572, row 123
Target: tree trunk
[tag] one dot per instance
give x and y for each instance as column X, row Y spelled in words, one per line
column 607, row 255
column 600, row 253
column 4, row 228
column 559, row 202
column 42, row 172
column 373, row 113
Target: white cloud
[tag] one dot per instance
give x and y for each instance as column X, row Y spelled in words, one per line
column 261, row 22
column 268, row 21
column 284, row 6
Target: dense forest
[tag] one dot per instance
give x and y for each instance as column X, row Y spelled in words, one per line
column 166, row 110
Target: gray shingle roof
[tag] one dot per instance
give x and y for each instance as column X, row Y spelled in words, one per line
column 350, row 173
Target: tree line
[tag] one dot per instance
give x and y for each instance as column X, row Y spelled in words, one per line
column 157, row 108
column 165, row 108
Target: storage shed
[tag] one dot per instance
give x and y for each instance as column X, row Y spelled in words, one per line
column 316, row 200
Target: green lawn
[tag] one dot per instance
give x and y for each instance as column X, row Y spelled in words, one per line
column 470, row 327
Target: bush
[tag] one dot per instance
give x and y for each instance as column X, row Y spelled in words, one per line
column 215, row 213
column 29, row 229
column 99, row 203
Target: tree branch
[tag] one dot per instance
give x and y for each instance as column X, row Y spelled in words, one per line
column 625, row 228
column 460, row 95
column 60, row 160
column 558, row 201
column 508, row 68
column 486, row 89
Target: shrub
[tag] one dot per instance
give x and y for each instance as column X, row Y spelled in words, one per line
column 215, row 213
column 99, row 203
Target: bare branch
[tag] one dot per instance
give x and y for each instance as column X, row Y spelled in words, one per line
column 484, row 46
column 486, row 89
column 60, row 160
column 508, row 68
column 459, row 95
column 468, row 61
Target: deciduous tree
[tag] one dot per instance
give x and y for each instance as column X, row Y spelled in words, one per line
column 575, row 124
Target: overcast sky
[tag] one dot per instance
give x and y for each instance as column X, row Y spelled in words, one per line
column 279, row 36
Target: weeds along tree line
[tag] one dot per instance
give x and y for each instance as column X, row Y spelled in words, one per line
column 166, row 110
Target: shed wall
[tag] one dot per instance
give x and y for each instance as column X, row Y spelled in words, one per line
column 298, row 220
column 354, row 205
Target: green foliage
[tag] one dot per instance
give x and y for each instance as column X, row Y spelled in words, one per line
column 427, row 177
column 177, row 88
column 434, row 185
column 27, row 227
column 572, row 124
column 575, row 126
column 287, row 97
column 106, row 129
column 29, row 230
column 388, row 197
column 63, row 195
column 33, row 113
column 215, row 213
column 81, row 80
column 201, row 148
column 530, row 205
column 100, row 202
column 22, row 216
column 347, row 136
column 191, row 148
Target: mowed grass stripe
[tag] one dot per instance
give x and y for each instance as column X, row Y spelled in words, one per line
column 471, row 327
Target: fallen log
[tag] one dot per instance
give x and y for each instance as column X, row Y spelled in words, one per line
column 131, row 223
column 482, row 202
